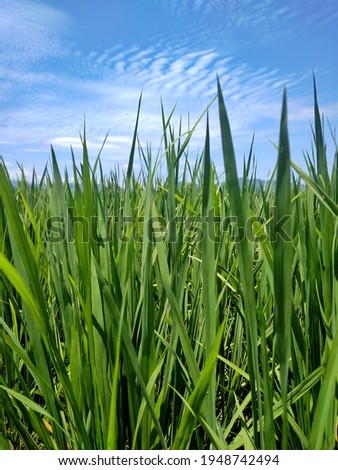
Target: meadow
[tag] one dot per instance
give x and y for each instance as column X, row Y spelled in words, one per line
column 176, row 312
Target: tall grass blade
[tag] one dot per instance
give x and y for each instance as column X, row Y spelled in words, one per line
column 283, row 265
column 239, row 210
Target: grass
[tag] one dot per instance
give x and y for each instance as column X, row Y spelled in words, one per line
column 175, row 312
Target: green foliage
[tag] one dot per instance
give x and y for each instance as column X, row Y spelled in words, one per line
column 140, row 312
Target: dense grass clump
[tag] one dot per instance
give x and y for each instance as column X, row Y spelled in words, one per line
column 175, row 312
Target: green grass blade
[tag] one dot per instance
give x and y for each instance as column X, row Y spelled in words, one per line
column 283, row 265
column 239, row 210
column 209, row 294
column 197, row 397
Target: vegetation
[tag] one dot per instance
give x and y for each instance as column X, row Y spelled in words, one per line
column 171, row 313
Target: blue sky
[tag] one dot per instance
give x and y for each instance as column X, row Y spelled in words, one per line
column 61, row 60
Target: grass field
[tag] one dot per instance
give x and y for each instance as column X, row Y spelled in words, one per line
column 139, row 312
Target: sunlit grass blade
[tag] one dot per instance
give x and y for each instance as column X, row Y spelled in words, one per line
column 324, row 197
column 324, row 425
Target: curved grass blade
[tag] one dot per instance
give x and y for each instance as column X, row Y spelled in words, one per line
column 197, row 396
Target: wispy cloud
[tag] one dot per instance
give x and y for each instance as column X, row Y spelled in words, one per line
column 30, row 32
column 108, row 98
column 266, row 20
